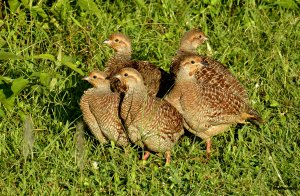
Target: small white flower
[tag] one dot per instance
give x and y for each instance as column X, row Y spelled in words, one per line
column 95, row 165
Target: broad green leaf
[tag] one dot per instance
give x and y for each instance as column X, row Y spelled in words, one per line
column 9, row 55
column 35, row 74
column 2, row 41
column 18, row 85
column 67, row 58
column 43, row 56
column 37, row 10
column 2, row 113
column 13, row 5
column 6, row 79
column 7, row 96
column 53, row 84
column 90, row 5
column 26, row 3
column 57, row 6
column 73, row 67
column 60, row 56
column 7, row 102
column 214, row 2
column 45, row 78
column 274, row 103
column 141, row 3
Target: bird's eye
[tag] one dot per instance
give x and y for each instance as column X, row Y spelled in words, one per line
column 116, row 40
column 125, row 74
column 94, row 76
column 200, row 36
column 193, row 62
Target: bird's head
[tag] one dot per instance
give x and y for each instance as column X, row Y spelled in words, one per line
column 119, row 42
column 130, row 78
column 96, row 78
column 190, row 64
column 192, row 39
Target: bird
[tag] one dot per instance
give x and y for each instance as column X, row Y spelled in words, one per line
column 156, row 79
column 151, row 123
column 207, row 110
column 99, row 106
column 189, row 43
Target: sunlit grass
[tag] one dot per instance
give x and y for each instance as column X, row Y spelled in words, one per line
column 258, row 42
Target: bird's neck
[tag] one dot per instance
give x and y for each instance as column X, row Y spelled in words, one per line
column 185, row 76
column 138, row 93
column 117, row 62
column 103, row 88
column 133, row 101
column 122, row 56
column 183, row 49
column 125, row 54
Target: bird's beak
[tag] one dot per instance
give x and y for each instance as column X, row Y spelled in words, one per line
column 204, row 64
column 205, row 38
column 107, row 42
column 117, row 76
column 86, row 78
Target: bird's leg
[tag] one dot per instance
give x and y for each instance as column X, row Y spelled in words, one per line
column 146, row 155
column 168, row 157
column 208, row 149
column 214, row 130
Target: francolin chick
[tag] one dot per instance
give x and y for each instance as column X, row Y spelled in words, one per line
column 218, row 72
column 155, row 79
column 207, row 109
column 100, row 106
column 190, row 41
column 151, row 123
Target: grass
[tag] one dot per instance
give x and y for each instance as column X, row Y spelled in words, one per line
column 46, row 47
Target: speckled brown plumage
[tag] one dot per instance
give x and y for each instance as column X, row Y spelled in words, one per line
column 150, row 122
column 99, row 106
column 215, row 74
column 207, row 109
column 154, row 78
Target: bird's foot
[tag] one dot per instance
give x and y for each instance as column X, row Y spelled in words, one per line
column 146, row 155
column 168, row 157
column 208, row 149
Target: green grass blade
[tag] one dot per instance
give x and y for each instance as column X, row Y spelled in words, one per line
column 9, row 55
